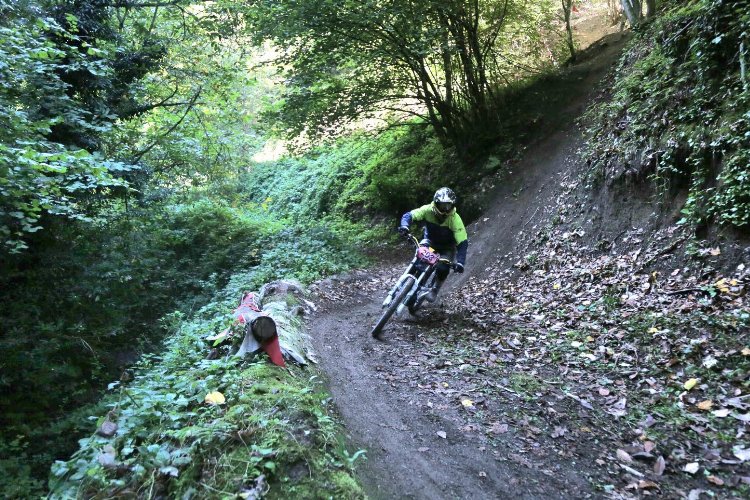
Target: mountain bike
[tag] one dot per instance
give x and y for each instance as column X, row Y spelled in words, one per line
column 414, row 285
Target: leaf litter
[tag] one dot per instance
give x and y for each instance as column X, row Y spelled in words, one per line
column 637, row 373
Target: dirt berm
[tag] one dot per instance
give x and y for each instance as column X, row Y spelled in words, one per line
column 428, row 434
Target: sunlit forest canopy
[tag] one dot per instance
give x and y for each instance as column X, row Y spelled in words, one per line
column 106, row 100
column 441, row 62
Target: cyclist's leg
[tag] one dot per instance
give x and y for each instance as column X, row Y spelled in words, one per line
column 441, row 272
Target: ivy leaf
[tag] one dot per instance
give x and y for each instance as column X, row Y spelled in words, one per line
column 169, row 470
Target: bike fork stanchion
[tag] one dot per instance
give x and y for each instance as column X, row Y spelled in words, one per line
column 394, row 290
column 414, row 289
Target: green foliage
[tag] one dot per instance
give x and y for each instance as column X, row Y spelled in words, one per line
column 40, row 171
column 168, row 437
column 437, row 60
column 390, row 173
column 15, row 460
column 112, row 283
column 87, row 296
column 679, row 108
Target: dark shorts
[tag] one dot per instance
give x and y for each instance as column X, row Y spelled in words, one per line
column 444, row 269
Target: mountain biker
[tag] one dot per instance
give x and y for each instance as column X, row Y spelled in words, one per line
column 443, row 230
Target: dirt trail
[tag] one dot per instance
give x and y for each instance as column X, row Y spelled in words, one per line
column 432, row 422
column 407, row 458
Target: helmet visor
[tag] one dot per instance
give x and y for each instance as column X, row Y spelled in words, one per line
column 444, row 207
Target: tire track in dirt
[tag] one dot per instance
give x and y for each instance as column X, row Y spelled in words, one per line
column 387, row 392
column 375, row 386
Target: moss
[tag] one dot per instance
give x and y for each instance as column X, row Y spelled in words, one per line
column 346, row 486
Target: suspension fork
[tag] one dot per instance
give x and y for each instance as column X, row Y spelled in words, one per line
column 417, row 285
column 399, row 282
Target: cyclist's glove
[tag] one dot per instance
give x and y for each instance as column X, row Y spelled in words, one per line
column 458, row 267
column 403, row 230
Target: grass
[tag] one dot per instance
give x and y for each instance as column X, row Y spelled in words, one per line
column 523, row 383
column 275, row 433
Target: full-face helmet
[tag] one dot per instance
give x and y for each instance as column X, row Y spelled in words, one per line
column 443, row 202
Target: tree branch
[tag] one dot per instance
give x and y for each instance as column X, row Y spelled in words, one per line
column 171, row 129
column 124, row 4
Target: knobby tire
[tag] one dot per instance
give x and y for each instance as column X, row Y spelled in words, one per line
column 405, row 287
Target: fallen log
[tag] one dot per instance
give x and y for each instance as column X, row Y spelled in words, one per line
column 260, row 329
column 268, row 321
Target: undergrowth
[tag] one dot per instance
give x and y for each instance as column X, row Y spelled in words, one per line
column 358, row 177
column 111, row 286
column 679, row 110
column 275, row 424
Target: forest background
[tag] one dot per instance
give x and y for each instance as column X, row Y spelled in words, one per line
column 159, row 157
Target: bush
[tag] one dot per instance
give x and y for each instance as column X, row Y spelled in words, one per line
column 678, row 110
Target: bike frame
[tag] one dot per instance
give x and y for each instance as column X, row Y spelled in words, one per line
column 421, row 271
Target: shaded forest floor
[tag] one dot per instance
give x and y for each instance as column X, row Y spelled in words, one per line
column 578, row 357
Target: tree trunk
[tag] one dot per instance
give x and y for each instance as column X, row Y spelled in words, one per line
column 261, row 326
column 650, row 8
column 567, row 6
column 743, row 66
column 632, row 10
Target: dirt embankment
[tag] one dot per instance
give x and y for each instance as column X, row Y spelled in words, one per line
column 579, row 356
column 437, row 423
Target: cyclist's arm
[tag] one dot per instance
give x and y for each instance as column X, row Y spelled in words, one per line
column 462, row 239
column 461, row 252
column 416, row 215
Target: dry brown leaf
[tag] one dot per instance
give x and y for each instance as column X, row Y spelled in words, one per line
column 691, row 468
column 715, row 480
column 646, row 485
column 559, row 432
column 742, row 453
column 705, row 405
column 107, row 429
column 659, row 466
column 215, row 398
column 624, row 456
column 108, row 457
column 498, row 428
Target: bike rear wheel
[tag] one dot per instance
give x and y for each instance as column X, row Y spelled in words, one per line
column 400, row 294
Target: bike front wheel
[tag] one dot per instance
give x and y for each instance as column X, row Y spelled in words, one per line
column 400, row 295
column 417, row 301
